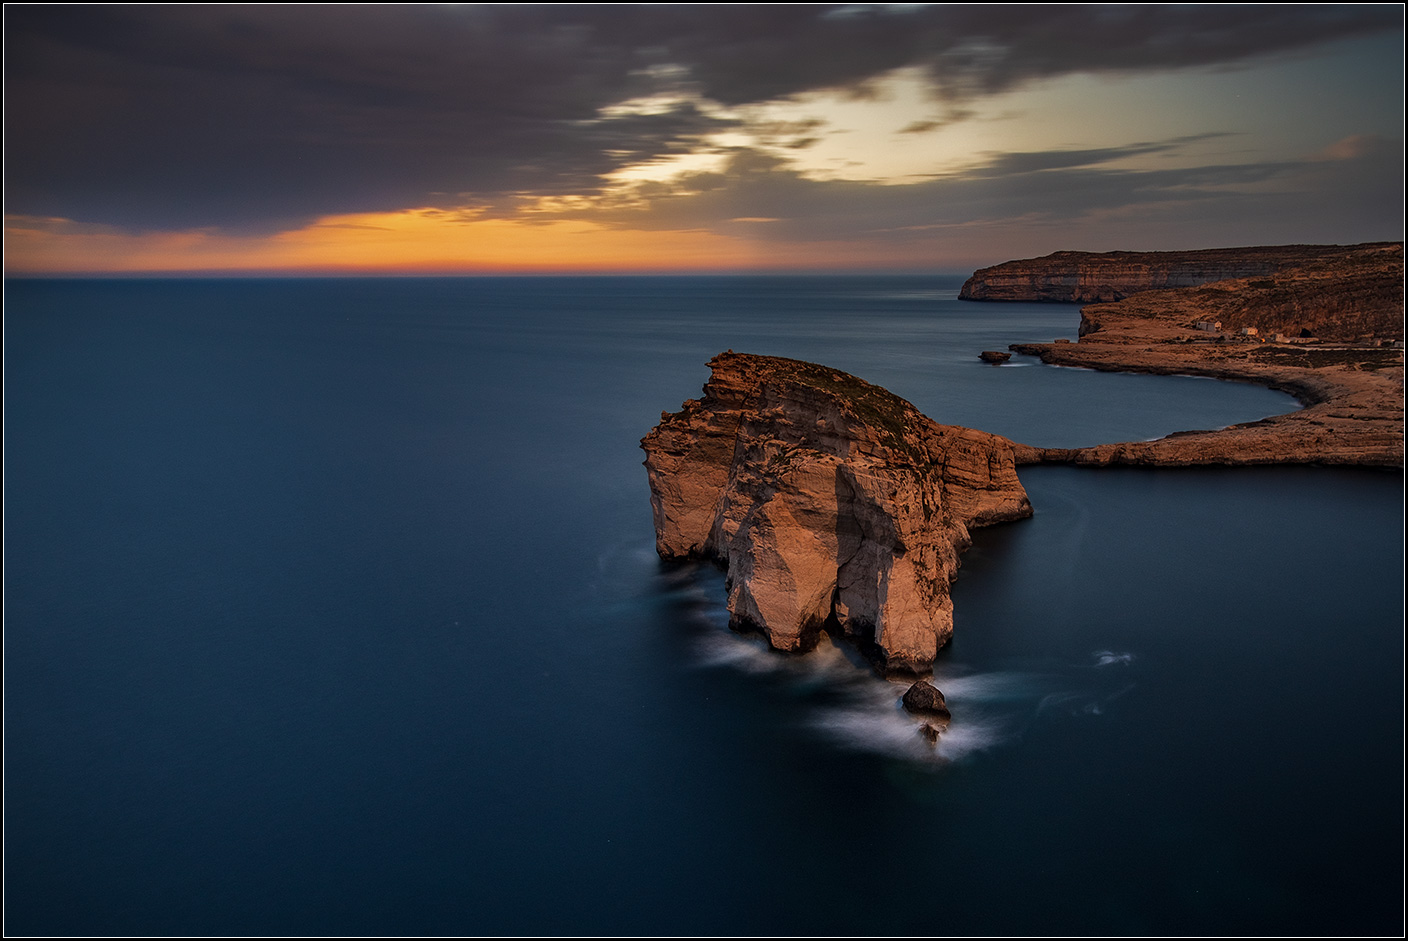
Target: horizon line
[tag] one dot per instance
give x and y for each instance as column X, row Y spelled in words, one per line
column 280, row 274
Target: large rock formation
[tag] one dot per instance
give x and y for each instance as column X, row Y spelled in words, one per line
column 829, row 501
column 1087, row 277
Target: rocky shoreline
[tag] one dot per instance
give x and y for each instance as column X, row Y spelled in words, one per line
column 1329, row 332
column 1353, row 412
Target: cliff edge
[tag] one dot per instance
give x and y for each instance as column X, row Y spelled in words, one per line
column 1090, row 277
column 1330, row 332
column 831, row 503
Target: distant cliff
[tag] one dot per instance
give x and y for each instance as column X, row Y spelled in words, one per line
column 1329, row 331
column 1088, row 277
column 830, row 502
column 1350, row 294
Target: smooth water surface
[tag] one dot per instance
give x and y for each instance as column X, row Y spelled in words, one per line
column 332, row 607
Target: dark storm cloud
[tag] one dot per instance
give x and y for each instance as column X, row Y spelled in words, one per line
column 1010, row 164
column 1310, row 195
column 261, row 117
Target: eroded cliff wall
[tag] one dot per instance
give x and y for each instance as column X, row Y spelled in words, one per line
column 1353, row 295
column 1088, row 277
column 1329, row 331
column 826, row 499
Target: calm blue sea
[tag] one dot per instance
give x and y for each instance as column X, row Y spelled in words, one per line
column 331, row 607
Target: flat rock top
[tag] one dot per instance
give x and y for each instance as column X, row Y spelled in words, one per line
column 1330, row 323
column 1281, row 255
column 1349, row 296
column 1085, row 277
column 877, row 407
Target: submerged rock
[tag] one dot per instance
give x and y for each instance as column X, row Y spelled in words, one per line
column 829, row 501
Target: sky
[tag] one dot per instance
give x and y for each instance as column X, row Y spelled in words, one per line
column 519, row 138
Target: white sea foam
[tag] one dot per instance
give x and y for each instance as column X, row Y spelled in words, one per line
column 999, row 686
column 885, row 729
column 990, row 709
column 884, row 732
column 846, row 703
column 720, row 649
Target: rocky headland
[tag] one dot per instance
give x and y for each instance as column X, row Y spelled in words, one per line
column 1329, row 332
column 831, row 503
column 1090, row 277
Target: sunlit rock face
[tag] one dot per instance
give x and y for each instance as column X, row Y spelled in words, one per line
column 827, row 500
column 1329, row 331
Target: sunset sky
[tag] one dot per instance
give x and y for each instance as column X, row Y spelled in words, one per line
column 641, row 138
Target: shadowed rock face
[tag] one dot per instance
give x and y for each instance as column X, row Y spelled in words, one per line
column 1088, row 277
column 828, row 500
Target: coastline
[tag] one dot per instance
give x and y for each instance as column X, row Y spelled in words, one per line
column 1352, row 414
column 1329, row 333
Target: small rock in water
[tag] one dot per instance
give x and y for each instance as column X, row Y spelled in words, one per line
column 922, row 699
column 994, row 356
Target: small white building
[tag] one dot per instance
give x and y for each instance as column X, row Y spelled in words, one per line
column 1248, row 331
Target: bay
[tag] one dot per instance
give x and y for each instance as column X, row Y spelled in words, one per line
column 332, row 607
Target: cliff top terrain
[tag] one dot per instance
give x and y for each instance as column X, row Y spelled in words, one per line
column 1281, row 255
column 1329, row 330
column 1354, row 295
column 1084, row 277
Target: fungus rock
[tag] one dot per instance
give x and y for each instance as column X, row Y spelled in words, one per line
column 830, row 502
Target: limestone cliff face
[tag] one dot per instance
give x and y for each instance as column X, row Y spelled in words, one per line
column 1353, row 295
column 826, row 499
column 1088, row 277
column 1345, row 312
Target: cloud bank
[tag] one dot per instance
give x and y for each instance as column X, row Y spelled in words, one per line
column 260, row 119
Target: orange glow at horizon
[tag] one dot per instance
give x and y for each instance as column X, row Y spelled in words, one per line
column 407, row 242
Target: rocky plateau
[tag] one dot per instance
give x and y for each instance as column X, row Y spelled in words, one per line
column 1329, row 332
column 1089, row 277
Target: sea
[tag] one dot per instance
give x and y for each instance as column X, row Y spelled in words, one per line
column 332, row 608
